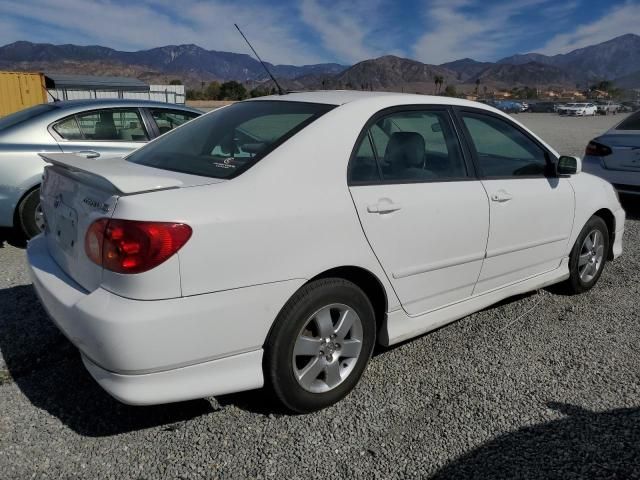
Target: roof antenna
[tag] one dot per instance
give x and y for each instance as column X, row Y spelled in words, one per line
column 55, row 99
column 280, row 91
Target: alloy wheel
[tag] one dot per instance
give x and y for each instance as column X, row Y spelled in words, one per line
column 591, row 256
column 327, row 348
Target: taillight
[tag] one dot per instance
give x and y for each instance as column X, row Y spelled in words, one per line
column 596, row 149
column 131, row 246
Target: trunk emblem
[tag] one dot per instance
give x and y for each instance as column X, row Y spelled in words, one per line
column 96, row 204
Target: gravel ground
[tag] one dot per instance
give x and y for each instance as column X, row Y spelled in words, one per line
column 540, row 386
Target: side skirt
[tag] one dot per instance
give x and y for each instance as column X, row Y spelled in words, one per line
column 399, row 326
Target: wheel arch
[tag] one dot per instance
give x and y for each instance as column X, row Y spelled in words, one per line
column 610, row 219
column 16, row 209
column 365, row 280
column 361, row 277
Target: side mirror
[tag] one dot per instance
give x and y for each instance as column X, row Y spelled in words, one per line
column 568, row 165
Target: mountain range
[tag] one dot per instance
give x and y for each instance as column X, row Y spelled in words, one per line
column 617, row 59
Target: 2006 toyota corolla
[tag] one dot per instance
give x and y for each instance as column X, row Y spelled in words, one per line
column 275, row 241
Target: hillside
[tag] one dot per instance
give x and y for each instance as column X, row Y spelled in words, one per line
column 188, row 61
column 608, row 60
column 618, row 58
column 527, row 74
column 391, row 73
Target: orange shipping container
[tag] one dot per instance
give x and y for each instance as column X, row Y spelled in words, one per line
column 19, row 90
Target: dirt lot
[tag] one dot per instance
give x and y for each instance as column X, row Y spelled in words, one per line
column 541, row 386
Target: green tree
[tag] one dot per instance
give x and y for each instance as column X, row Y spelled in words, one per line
column 212, row 92
column 258, row 92
column 193, row 94
column 233, row 90
column 175, row 81
column 450, row 91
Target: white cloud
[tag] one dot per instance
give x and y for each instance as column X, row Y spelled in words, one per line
column 459, row 33
column 144, row 25
column 621, row 20
column 343, row 28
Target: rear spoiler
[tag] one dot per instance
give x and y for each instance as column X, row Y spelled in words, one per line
column 125, row 177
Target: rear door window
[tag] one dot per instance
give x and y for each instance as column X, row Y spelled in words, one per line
column 114, row 125
column 409, row 146
column 167, row 119
column 225, row 143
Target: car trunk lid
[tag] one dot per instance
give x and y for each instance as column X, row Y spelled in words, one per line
column 625, row 148
column 76, row 191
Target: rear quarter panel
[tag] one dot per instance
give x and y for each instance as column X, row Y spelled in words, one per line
column 288, row 217
column 20, row 170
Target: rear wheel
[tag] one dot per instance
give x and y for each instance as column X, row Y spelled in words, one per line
column 30, row 217
column 588, row 256
column 320, row 345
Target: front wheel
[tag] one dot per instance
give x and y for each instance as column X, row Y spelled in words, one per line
column 30, row 217
column 588, row 256
column 320, row 345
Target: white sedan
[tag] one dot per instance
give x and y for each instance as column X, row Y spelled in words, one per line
column 580, row 109
column 276, row 241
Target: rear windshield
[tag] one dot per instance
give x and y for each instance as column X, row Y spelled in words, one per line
column 225, row 143
column 24, row 115
column 630, row 123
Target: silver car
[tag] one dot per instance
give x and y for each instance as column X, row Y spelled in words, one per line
column 615, row 156
column 92, row 128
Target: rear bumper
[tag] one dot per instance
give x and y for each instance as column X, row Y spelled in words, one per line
column 148, row 352
column 626, row 182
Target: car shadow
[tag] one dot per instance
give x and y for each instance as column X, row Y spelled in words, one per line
column 13, row 238
column 584, row 444
column 48, row 370
column 631, row 205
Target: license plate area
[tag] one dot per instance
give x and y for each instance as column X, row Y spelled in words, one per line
column 65, row 227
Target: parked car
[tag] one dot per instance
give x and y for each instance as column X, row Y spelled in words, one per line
column 580, row 109
column 542, row 107
column 508, row 106
column 91, row 128
column 615, row 155
column 606, row 108
column 277, row 240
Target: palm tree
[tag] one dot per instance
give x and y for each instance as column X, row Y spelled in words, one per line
column 439, row 80
column 477, row 85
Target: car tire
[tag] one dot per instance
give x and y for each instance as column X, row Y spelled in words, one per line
column 29, row 214
column 588, row 256
column 319, row 345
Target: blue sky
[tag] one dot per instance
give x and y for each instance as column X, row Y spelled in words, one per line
column 313, row 31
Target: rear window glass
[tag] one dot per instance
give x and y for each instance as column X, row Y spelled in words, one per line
column 630, row 123
column 24, row 115
column 227, row 142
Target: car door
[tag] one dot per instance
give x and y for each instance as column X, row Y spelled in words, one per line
column 422, row 210
column 531, row 209
column 101, row 133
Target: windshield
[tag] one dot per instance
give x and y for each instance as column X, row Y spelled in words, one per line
column 225, row 143
column 24, row 115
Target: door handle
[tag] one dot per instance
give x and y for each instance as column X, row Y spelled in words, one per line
column 88, row 153
column 383, row 207
column 501, row 196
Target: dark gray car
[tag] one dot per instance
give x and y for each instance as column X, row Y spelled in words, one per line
column 93, row 128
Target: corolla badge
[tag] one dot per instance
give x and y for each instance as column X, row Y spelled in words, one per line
column 96, row 204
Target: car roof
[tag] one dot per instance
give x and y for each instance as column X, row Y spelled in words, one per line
column 341, row 97
column 91, row 103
